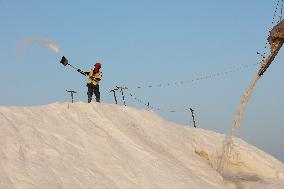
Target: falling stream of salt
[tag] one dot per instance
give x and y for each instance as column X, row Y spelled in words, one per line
column 228, row 142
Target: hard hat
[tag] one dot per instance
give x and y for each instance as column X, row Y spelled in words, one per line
column 98, row 65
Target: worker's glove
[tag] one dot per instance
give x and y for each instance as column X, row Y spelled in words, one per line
column 81, row 72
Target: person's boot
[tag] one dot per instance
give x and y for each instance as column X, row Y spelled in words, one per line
column 89, row 98
column 98, row 100
column 90, row 95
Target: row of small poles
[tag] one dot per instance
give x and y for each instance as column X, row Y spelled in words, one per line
column 121, row 90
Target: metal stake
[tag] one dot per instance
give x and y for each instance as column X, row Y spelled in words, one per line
column 113, row 90
column 192, row 117
column 72, row 95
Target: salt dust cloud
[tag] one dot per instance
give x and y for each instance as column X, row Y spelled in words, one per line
column 39, row 41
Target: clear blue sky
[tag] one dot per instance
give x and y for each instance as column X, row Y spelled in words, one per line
column 149, row 42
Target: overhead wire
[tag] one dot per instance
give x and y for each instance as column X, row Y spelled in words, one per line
column 205, row 77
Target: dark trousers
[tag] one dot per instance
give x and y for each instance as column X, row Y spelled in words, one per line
column 93, row 89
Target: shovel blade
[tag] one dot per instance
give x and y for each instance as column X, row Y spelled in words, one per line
column 64, row 61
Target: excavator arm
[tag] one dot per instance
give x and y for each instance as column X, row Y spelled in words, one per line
column 276, row 40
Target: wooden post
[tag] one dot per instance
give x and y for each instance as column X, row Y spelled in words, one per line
column 193, row 119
